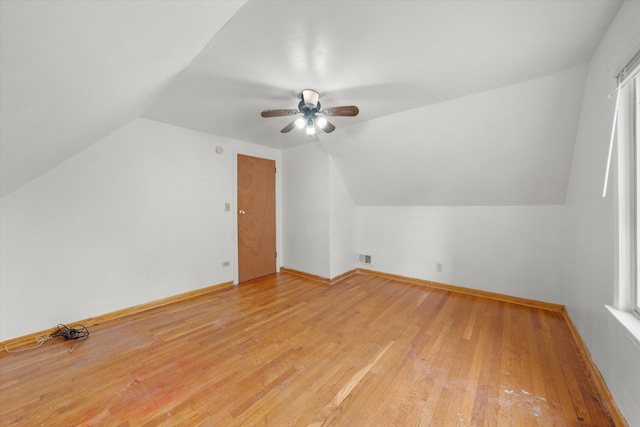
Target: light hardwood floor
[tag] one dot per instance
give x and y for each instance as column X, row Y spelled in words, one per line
column 288, row 351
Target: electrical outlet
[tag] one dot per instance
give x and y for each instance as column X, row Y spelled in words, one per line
column 439, row 267
column 226, row 263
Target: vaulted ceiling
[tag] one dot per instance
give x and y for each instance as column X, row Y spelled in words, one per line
column 461, row 102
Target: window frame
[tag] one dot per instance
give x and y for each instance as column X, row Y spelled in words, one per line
column 627, row 297
column 635, row 289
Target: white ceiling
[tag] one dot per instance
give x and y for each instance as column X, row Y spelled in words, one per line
column 72, row 72
column 461, row 102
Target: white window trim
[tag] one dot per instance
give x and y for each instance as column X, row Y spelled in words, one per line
column 625, row 307
column 630, row 323
column 635, row 293
column 625, row 205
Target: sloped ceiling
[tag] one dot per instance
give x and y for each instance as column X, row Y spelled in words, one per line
column 507, row 146
column 462, row 102
column 72, row 72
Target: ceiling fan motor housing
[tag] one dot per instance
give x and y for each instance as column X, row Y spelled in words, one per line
column 308, row 110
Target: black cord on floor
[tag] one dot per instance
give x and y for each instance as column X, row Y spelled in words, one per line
column 71, row 333
column 80, row 333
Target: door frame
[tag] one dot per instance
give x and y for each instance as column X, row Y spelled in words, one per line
column 234, row 208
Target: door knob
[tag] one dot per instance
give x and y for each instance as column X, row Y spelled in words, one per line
column 241, row 212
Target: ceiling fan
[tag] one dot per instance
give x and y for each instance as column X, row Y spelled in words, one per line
column 310, row 107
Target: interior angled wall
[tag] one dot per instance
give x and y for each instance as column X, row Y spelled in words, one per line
column 305, row 209
column 342, row 225
column 319, row 214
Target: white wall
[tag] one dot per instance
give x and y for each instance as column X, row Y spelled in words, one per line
column 305, row 209
column 342, row 225
column 319, row 214
column 513, row 250
column 136, row 217
column 588, row 270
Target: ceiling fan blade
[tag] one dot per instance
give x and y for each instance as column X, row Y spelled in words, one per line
column 348, row 111
column 279, row 113
column 288, row 127
column 328, row 127
column 310, row 97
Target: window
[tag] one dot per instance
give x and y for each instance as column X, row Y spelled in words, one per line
column 636, row 192
column 628, row 188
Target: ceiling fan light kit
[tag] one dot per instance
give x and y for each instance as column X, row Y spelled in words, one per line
column 309, row 106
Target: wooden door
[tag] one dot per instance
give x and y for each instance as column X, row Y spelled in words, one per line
column 256, row 217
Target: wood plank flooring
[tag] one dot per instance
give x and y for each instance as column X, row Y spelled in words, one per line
column 287, row 351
